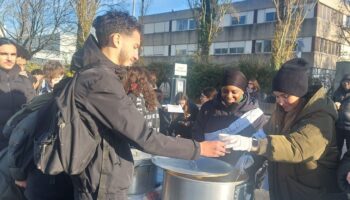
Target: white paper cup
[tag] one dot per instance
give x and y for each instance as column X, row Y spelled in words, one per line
column 223, row 137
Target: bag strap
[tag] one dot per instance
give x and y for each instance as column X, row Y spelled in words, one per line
column 102, row 189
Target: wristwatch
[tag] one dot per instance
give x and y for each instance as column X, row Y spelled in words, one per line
column 255, row 144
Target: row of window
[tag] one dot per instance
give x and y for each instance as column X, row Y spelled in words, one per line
column 328, row 47
column 255, row 46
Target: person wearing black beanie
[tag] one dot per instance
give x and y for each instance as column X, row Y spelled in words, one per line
column 232, row 107
column 292, row 78
column 299, row 141
column 233, row 86
column 290, row 83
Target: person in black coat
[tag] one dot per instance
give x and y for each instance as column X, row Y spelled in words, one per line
column 341, row 97
column 183, row 122
column 15, row 89
column 108, row 111
column 229, row 106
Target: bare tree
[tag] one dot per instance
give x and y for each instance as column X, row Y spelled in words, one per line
column 290, row 15
column 208, row 15
column 144, row 9
column 85, row 11
column 344, row 32
column 35, row 23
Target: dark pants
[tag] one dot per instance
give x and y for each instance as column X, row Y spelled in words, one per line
column 43, row 187
column 342, row 135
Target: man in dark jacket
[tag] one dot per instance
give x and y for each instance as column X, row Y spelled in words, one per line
column 105, row 107
column 15, row 90
column 341, row 99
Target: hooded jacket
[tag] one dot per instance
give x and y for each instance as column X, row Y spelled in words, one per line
column 104, row 105
column 15, row 90
column 303, row 160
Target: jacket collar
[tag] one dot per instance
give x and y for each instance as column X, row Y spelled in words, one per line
column 91, row 56
column 12, row 73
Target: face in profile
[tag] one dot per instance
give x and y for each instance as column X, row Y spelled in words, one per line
column 286, row 101
column 129, row 50
column 231, row 94
column 8, row 54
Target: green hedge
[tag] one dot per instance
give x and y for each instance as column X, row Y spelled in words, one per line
column 201, row 75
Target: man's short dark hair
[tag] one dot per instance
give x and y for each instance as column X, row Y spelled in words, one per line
column 114, row 22
column 22, row 52
column 4, row 41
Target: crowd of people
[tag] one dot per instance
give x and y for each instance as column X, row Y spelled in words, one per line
column 298, row 148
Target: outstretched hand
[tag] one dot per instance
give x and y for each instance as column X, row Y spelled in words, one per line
column 212, row 148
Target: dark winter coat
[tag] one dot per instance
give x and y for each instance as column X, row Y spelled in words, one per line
column 343, row 97
column 104, row 105
column 303, row 159
column 215, row 115
column 183, row 126
column 15, row 90
column 343, row 171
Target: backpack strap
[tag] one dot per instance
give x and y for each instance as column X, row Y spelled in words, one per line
column 102, row 189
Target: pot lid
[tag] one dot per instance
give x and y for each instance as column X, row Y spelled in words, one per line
column 203, row 167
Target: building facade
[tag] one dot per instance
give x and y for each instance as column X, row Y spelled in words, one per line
column 172, row 36
column 61, row 49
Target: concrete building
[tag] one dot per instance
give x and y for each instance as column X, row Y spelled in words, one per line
column 172, row 37
column 61, row 49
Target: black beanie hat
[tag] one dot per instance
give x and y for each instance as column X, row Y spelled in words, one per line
column 346, row 77
column 233, row 76
column 292, row 78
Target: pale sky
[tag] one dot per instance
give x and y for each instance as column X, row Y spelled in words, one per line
column 161, row 6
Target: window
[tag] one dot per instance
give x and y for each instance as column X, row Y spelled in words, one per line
column 192, row 24
column 182, row 25
column 267, row 46
column 181, row 52
column 263, row 46
column 239, row 20
column 220, row 51
column 236, row 50
column 270, row 16
column 185, row 24
column 347, row 21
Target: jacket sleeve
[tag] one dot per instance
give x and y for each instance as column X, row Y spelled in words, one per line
column 307, row 143
column 105, row 99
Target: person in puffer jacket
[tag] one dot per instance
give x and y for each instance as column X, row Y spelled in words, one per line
column 341, row 97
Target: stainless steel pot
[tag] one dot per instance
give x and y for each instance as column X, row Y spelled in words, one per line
column 144, row 177
column 204, row 179
column 179, row 186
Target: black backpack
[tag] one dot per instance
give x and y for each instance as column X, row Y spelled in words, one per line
column 63, row 142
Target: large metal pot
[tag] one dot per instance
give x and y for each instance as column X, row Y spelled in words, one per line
column 144, row 177
column 207, row 180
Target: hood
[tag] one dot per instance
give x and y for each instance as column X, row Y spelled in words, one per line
column 318, row 101
column 91, row 56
